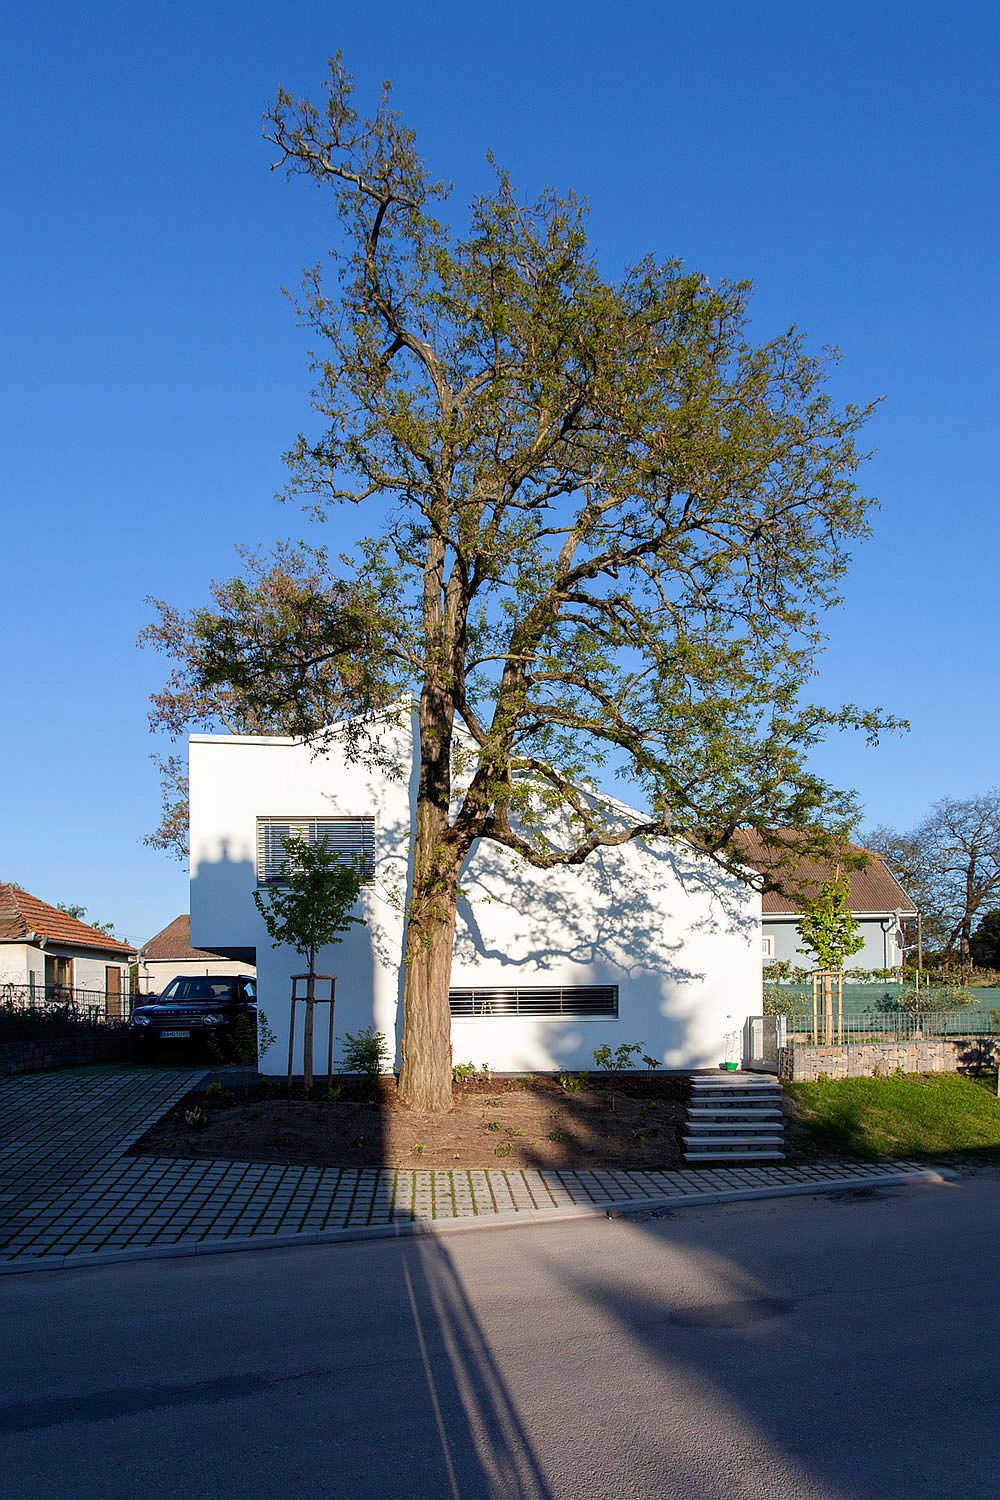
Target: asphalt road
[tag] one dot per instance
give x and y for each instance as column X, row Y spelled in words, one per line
column 829, row 1347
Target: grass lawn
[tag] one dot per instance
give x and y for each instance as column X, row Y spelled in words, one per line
column 913, row 1115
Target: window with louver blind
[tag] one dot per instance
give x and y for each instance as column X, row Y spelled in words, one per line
column 349, row 838
column 581, row 1001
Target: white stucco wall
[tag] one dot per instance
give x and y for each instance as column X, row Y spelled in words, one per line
column 15, row 963
column 154, row 976
column 679, row 937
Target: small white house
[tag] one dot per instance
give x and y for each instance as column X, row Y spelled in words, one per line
column 47, row 955
column 649, row 944
column 170, row 954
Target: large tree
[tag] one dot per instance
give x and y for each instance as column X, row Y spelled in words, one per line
column 950, row 865
column 605, row 525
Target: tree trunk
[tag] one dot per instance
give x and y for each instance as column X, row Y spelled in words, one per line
column 425, row 1075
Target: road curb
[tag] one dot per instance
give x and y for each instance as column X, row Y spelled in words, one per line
column 410, row 1228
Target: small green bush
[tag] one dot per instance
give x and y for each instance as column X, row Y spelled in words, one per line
column 366, row 1052
column 619, row 1059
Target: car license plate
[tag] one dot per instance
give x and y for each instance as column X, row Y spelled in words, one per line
column 169, row 1036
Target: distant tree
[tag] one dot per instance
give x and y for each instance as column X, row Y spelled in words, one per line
column 828, row 927
column 984, row 943
column 950, row 865
column 80, row 913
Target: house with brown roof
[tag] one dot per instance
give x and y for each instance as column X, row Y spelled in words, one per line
column 170, row 953
column 877, row 901
column 47, row 954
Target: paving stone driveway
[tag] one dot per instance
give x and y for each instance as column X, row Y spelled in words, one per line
column 67, row 1188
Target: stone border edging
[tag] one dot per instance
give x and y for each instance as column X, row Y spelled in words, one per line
column 407, row 1229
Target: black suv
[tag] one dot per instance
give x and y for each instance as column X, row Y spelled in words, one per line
column 197, row 1008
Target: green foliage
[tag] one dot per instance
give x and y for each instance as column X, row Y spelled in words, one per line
column 196, row 1118
column 266, row 1038
column 930, row 1000
column 80, row 914
column 651, row 1062
column 311, row 908
column 574, row 1083
column 466, row 1072
column 781, row 1002
column 617, row 1060
column 366, row 1052
column 827, row 926
column 334, row 1092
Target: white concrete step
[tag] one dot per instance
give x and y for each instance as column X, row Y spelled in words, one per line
column 735, row 1088
column 757, row 1110
column 734, row 1101
column 735, row 1081
column 735, row 1117
column 736, row 1157
column 736, row 1138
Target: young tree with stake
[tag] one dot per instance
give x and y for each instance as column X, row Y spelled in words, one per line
column 310, row 909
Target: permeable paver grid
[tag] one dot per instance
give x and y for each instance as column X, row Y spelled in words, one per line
column 67, row 1188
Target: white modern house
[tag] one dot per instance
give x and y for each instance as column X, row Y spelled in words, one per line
column 651, row 944
column 45, row 954
column 169, row 954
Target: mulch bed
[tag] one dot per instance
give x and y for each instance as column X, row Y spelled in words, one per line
column 496, row 1122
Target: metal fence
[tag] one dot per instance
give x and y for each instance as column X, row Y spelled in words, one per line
column 37, row 1012
column 807, row 1028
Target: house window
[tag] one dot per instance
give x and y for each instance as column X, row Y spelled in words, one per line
column 348, row 838
column 767, row 948
column 580, row 1001
column 58, row 977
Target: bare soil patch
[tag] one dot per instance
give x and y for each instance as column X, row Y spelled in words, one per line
column 531, row 1122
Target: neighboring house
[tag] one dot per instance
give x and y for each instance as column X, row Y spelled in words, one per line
column 877, row 901
column 46, row 954
column 651, row 944
column 170, row 953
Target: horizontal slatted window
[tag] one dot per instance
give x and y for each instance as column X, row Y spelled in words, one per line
column 577, row 1000
column 350, row 838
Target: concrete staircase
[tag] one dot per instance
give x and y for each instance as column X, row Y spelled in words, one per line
column 734, row 1117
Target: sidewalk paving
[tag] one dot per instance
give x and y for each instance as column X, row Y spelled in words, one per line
column 69, row 1195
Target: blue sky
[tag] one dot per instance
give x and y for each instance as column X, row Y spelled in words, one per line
column 842, row 157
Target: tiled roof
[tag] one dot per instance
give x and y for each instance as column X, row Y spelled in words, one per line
column 21, row 914
column 872, row 885
column 174, row 942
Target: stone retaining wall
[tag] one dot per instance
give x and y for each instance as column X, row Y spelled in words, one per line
column 878, row 1059
column 63, row 1052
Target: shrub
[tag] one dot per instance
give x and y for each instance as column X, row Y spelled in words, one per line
column 366, row 1052
column 619, row 1059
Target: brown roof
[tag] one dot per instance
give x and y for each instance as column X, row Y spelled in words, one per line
column 872, row 885
column 21, row 914
column 174, row 942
